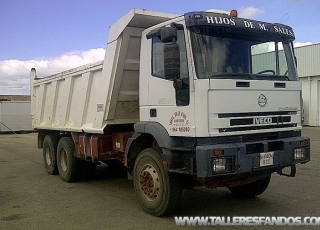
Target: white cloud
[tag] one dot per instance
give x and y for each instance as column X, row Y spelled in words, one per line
column 298, row 44
column 14, row 74
column 250, row 12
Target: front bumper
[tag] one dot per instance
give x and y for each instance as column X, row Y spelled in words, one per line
column 248, row 157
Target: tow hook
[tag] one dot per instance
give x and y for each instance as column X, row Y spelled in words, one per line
column 292, row 173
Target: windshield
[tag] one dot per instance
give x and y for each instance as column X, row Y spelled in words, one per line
column 242, row 58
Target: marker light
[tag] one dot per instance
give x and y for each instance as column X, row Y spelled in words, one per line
column 198, row 16
column 234, row 13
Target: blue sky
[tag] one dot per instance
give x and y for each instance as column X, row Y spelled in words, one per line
column 55, row 35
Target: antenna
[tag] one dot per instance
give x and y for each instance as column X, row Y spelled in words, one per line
column 283, row 19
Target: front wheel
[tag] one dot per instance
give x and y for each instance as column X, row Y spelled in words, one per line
column 251, row 190
column 158, row 191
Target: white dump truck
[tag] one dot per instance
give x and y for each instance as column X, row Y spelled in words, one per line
column 203, row 99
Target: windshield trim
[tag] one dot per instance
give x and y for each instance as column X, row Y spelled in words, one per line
column 198, row 20
column 208, row 72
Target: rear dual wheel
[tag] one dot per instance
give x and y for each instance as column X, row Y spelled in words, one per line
column 50, row 144
column 66, row 162
column 71, row 168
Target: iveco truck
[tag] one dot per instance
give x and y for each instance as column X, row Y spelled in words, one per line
column 202, row 99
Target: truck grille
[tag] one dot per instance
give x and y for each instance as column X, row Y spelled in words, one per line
column 253, row 114
column 250, row 121
column 257, row 121
column 223, row 130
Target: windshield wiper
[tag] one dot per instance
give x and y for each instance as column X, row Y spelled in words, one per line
column 245, row 76
column 286, row 78
column 271, row 77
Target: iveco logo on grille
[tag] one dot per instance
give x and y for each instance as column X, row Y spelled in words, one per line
column 262, row 120
column 262, row 100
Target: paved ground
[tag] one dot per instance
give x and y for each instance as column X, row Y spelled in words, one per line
column 32, row 199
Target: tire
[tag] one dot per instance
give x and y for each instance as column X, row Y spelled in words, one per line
column 251, row 190
column 50, row 144
column 158, row 191
column 66, row 162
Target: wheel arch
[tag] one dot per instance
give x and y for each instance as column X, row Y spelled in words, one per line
column 156, row 130
column 146, row 133
column 42, row 133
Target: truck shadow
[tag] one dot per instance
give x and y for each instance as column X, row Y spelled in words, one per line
column 196, row 202
column 220, row 202
column 103, row 172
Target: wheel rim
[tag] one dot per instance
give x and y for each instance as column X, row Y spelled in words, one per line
column 49, row 156
column 63, row 160
column 149, row 182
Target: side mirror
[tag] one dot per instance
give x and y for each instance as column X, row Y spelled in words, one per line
column 167, row 34
column 171, row 61
column 171, row 53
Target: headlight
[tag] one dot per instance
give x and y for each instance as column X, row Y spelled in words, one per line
column 300, row 154
column 219, row 165
column 222, row 165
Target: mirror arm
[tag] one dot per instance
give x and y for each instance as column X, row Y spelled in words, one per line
column 177, row 84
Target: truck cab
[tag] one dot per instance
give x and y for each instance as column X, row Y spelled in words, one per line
column 238, row 68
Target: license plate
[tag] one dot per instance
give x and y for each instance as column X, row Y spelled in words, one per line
column 266, row 159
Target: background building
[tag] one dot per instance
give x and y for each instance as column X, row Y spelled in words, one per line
column 15, row 113
column 308, row 58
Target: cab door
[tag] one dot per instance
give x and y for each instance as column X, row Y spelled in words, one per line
column 170, row 101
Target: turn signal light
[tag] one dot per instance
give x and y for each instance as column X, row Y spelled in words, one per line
column 217, row 153
column 303, row 143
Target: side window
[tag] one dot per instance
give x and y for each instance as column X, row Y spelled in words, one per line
column 182, row 93
column 157, row 57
